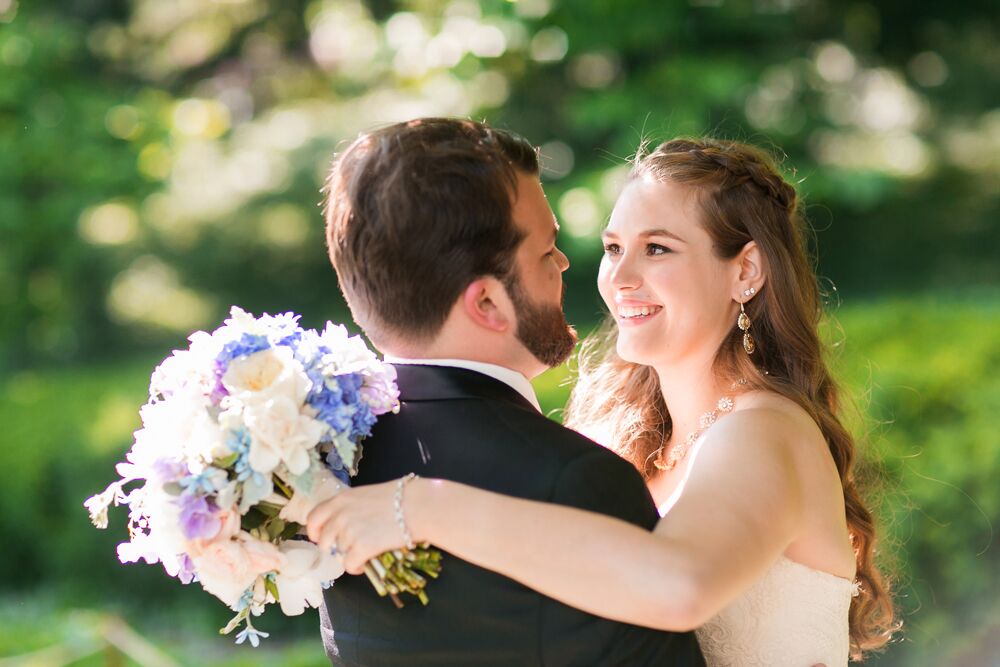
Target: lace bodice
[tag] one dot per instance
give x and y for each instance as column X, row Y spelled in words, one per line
column 793, row 616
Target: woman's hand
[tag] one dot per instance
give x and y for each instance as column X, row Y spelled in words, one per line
column 360, row 522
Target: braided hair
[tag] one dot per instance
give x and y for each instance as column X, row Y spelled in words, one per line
column 743, row 164
column 743, row 198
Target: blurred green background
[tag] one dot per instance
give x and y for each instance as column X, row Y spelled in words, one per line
column 162, row 159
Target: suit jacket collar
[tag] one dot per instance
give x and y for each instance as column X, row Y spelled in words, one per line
column 432, row 383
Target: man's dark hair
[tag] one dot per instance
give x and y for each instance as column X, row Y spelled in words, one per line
column 418, row 210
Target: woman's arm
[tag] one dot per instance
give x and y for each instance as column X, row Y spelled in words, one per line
column 737, row 513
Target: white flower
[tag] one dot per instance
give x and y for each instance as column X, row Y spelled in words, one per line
column 298, row 508
column 98, row 504
column 205, row 441
column 280, row 433
column 163, row 517
column 308, row 344
column 140, row 547
column 251, row 633
column 300, row 581
column 240, row 322
column 226, row 497
column 179, row 370
column 163, row 540
column 350, row 353
column 264, row 375
column 180, row 427
column 204, row 350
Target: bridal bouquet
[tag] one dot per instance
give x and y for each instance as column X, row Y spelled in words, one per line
column 243, row 435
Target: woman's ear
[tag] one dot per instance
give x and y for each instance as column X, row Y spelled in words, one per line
column 751, row 272
column 486, row 303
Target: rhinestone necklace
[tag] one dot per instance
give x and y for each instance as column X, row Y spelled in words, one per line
column 678, row 452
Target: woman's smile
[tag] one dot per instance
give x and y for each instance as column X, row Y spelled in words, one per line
column 633, row 314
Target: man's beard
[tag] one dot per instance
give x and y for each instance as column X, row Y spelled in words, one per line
column 541, row 328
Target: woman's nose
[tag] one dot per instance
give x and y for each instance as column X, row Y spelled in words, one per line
column 624, row 274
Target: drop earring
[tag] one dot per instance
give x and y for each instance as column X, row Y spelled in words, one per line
column 743, row 322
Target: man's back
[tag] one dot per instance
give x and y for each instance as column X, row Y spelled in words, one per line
column 464, row 426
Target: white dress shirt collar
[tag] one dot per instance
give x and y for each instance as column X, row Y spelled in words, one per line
column 509, row 377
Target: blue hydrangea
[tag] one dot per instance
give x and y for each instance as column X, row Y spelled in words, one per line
column 244, row 346
column 350, row 385
column 203, row 483
column 336, row 465
column 238, row 441
column 291, row 340
column 335, row 400
column 363, row 420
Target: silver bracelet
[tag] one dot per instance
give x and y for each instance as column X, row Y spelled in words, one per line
column 397, row 502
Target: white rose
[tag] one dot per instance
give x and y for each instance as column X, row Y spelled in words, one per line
column 300, row 581
column 264, row 375
column 280, row 433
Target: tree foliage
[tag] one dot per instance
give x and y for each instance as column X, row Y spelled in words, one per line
column 162, row 159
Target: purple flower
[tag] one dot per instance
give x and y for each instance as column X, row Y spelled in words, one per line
column 380, row 390
column 186, row 571
column 198, row 517
column 169, row 470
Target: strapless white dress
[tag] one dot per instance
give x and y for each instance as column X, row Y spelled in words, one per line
column 792, row 616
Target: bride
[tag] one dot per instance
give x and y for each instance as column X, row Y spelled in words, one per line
column 710, row 379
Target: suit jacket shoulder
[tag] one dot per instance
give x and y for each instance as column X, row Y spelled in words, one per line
column 588, row 475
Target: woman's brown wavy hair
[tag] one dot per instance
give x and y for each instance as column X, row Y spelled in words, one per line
column 743, row 198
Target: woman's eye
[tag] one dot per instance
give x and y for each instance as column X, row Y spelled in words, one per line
column 652, row 249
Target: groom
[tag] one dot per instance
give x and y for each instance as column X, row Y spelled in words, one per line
column 444, row 246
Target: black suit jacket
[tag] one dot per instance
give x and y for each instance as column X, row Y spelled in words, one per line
column 468, row 427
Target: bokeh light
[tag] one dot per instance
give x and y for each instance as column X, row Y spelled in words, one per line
column 161, row 160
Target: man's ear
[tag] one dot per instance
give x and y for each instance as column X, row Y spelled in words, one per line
column 486, row 303
column 751, row 272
